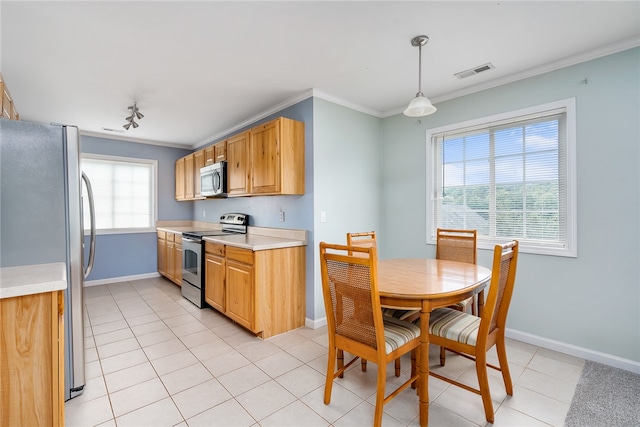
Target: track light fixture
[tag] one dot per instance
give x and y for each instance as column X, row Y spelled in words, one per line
column 420, row 105
column 134, row 114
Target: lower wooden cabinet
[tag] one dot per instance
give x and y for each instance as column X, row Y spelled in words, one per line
column 32, row 360
column 264, row 291
column 215, row 265
column 170, row 256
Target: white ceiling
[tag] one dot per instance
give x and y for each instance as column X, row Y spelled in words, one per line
column 199, row 70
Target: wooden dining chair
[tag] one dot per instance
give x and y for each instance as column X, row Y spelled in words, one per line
column 472, row 336
column 365, row 239
column 461, row 246
column 354, row 319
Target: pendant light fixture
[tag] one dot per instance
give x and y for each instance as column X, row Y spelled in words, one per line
column 134, row 114
column 420, row 105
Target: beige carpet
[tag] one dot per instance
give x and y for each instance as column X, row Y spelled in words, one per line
column 605, row 397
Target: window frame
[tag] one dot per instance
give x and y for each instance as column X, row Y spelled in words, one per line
column 154, row 192
column 570, row 197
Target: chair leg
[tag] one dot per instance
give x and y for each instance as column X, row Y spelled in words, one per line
column 473, row 306
column 443, row 357
column 414, row 359
column 340, row 361
column 397, row 367
column 483, row 381
column 504, row 365
column 382, row 379
column 363, row 364
column 331, row 369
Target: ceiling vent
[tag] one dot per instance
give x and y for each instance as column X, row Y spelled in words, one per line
column 475, row 70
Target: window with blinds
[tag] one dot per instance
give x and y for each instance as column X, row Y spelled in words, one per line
column 509, row 177
column 124, row 192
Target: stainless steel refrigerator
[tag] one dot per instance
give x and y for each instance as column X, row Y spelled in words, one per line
column 41, row 219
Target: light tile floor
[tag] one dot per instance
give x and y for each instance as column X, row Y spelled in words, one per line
column 154, row 359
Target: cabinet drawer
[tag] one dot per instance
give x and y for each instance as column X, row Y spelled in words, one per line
column 162, row 235
column 239, row 254
column 214, row 248
column 170, row 237
column 177, row 238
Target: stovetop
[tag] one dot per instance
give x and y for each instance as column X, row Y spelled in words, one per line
column 232, row 223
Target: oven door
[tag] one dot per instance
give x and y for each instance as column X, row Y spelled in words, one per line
column 192, row 262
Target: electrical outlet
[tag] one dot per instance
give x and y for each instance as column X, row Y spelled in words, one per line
column 323, row 216
column 204, row 213
column 281, row 216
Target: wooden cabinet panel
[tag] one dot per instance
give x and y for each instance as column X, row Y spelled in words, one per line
column 7, row 105
column 170, row 256
column 198, row 160
column 209, row 155
column 277, row 157
column 162, row 255
column 265, row 158
column 240, row 296
column 189, row 165
column 32, row 360
column 238, row 165
column 220, row 151
column 177, row 264
column 180, row 184
column 214, row 289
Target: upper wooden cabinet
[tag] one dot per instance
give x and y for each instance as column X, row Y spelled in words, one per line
column 180, row 179
column 277, row 157
column 198, row 162
column 215, row 153
column 266, row 160
column 8, row 108
column 238, row 165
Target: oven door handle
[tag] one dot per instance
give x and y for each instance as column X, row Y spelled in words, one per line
column 190, row 240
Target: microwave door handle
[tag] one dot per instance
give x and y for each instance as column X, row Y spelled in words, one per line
column 92, row 214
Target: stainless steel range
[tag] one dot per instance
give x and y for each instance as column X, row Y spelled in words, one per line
column 193, row 274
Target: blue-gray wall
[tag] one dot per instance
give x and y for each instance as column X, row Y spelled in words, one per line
column 264, row 211
column 592, row 301
column 122, row 255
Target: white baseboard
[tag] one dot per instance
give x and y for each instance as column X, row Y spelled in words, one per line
column 572, row 350
column 120, row 279
column 315, row 324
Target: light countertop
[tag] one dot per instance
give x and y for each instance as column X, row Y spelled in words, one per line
column 256, row 239
column 32, row 279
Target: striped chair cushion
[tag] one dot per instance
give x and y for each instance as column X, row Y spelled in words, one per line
column 398, row 332
column 399, row 314
column 454, row 325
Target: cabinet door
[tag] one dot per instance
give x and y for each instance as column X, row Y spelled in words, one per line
column 189, row 188
column 170, row 270
column 240, row 293
column 220, row 151
column 238, row 164
column 198, row 162
column 177, row 264
column 180, row 179
column 214, row 282
column 32, row 360
column 265, row 158
column 209, row 155
column 162, row 256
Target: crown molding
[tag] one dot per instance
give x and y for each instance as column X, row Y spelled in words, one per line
column 129, row 139
column 609, row 49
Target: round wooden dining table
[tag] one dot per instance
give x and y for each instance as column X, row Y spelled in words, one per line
column 426, row 284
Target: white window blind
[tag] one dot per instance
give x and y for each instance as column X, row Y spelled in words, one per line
column 509, row 178
column 124, row 192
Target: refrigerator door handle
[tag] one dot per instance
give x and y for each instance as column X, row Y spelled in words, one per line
column 92, row 213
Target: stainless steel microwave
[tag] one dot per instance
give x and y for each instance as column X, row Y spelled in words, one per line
column 213, row 180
